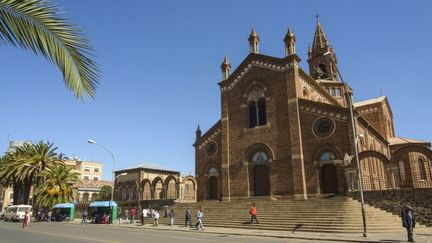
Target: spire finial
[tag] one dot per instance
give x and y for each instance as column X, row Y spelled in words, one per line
column 317, row 18
column 289, row 42
column 226, row 68
column 253, row 41
column 198, row 133
column 253, row 32
column 226, row 59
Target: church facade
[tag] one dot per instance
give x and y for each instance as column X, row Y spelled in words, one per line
column 284, row 132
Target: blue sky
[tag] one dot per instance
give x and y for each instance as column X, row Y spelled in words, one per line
column 160, row 68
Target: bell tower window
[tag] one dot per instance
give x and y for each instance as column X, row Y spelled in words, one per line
column 322, row 71
column 252, row 114
column 257, row 107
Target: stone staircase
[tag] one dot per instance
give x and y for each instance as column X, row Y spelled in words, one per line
column 336, row 214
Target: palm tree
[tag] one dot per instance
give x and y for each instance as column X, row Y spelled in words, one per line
column 20, row 168
column 35, row 25
column 58, row 186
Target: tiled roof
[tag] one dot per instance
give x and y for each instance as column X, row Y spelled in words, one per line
column 92, row 184
column 370, row 101
column 399, row 140
column 152, row 166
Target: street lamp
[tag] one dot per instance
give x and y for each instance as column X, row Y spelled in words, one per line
column 113, row 175
column 353, row 123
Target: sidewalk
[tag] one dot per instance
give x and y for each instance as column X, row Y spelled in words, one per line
column 424, row 235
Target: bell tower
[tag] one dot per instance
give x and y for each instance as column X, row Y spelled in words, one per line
column 322, row 58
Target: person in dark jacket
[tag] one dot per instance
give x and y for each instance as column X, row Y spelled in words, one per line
column 408, row 222
column 188, row 218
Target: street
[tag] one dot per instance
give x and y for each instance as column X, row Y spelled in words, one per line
column 56, row 232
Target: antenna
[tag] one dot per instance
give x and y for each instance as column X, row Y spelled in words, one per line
column 381, row 92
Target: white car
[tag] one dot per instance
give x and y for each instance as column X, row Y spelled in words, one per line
column 16, row 212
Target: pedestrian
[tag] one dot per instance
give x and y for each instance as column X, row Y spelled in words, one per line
column 49, row 215
column 26, row 220
column 188, row 218
column 155, row 218
column 200, row 216
column 126, row 216
column 39, row 215
column 172, row 217
column 84, row 217
column 408, row 221
column 119, row 215
column 133, row 213
column 253, row 213
column 144, row 215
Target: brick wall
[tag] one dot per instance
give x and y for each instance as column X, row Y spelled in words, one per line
column 393, row 200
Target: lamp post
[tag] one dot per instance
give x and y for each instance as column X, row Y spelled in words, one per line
column 355, row 137
column 113, row 175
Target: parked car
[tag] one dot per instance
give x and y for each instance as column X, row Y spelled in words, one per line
column 16, row 212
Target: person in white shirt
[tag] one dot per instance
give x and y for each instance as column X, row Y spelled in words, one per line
column 144, row 215
column 156, row 219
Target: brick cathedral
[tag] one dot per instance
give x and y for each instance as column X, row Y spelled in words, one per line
column 284, row 132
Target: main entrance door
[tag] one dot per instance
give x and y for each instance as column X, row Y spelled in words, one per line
column 329, row 178
column 262, row 180
column 213, row 187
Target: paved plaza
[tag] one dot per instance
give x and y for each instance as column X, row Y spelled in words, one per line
column 74, row 232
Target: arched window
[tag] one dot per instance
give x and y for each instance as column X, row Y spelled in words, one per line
column 422, row 169
column 85, row 197
column 260, row 158
column 305, row 93
column 322, row 71
column 212, row 171
column 252, row 114
column 332, row 92
column 257, row 107
column 262, row 115
column 327, row 156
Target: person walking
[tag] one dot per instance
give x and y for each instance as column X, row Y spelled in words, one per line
column 155, row 218
column 408, row 222
column 200, row 216
column 49, row 215
column 26, row 220
column 133, row 213
column 126, row 212
column 84, row 217
column 172, row 217
column 188, row 218
column 144, row 215
column 119, row 216
column 253, row 213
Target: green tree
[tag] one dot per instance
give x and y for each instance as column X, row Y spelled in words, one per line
column 35, row 25
column 105, row 193
column 58, row 186
column 20, row 168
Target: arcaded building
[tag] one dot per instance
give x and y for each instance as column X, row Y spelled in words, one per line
column 152, row 182
column 285, row 132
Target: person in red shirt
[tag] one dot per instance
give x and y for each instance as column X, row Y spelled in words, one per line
column 253, row 213
column 133, row 213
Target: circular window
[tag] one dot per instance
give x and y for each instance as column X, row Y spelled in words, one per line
column 323, row 127
column 211, row 148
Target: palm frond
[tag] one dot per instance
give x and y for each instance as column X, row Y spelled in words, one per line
column 34, row 25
